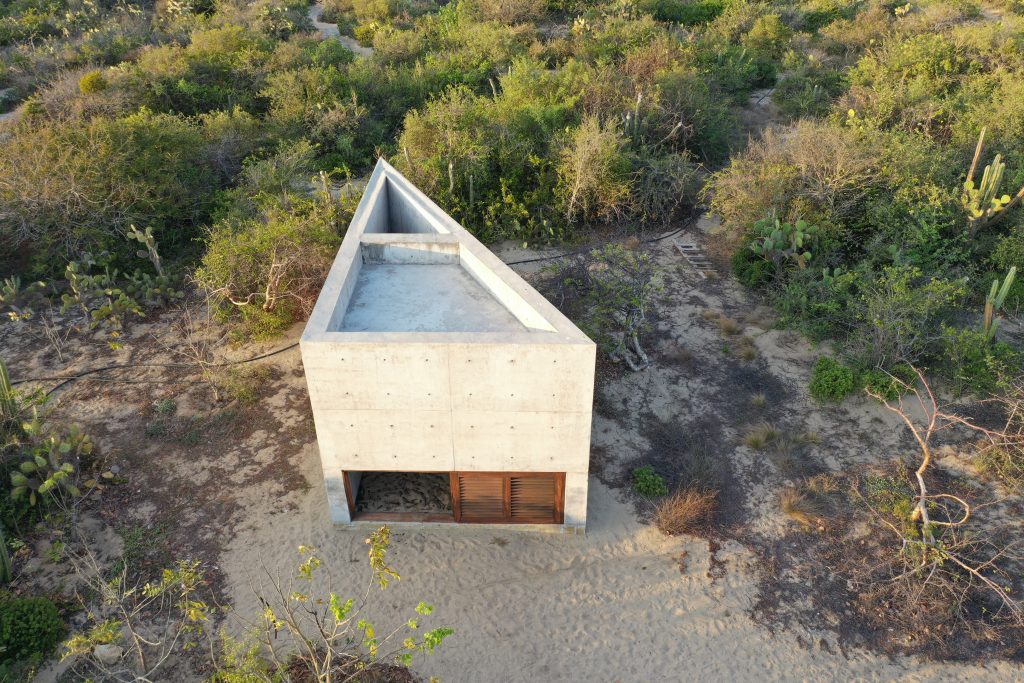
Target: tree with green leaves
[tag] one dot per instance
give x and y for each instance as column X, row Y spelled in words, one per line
column 335, row 641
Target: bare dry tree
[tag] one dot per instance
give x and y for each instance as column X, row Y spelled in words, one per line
column 941, row 565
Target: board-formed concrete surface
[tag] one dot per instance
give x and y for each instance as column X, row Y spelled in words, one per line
column 426, row 353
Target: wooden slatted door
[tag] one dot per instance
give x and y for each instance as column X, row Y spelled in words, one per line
column 509, row 498
column 481, row 498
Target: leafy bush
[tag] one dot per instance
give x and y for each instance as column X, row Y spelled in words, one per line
column 647, row 482
column 683, row 11
column 92, row 82
column 831, row 380
column 276, row 262
column 30, row 629
column 971, row 362
column 146, row 168
column 752, row 270
column 899, row 313
column 888, row 384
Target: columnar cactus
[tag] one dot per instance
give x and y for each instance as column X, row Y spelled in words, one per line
column 983, row 203
column 994, row 302
column 9, row 413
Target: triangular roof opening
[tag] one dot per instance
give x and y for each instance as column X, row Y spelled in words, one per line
column 406, row 267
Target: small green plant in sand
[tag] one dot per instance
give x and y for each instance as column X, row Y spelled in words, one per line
column 647, row 482
column 334, row 638
column 831, row 380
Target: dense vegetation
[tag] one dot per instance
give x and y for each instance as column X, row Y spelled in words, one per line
column 535, row 121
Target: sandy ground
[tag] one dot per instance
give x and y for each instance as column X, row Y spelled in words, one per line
column 331, row 31
column 623, row 603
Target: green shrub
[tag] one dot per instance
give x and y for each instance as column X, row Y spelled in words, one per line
column 276, row 262
column 647, row 482
column 891, row 496
column 831, row 380
column 750, row 269
column 883, row 384
column 683, row 11
column 144, row 169
column 768, row 36
column 92, row 82
column 685, row 94
column 1005, row 464
column 30, row 628
column 973, row 363
column 808, row 92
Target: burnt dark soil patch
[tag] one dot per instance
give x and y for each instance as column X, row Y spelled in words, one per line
column 693, row 454
column 827, row 576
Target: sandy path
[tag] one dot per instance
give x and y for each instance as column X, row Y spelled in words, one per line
column 331, row 31
column 7, row 116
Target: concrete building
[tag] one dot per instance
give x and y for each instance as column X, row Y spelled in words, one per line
column 444, row 388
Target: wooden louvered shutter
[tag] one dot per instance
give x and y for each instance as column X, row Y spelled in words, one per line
column 533, row 499
column 481, row 498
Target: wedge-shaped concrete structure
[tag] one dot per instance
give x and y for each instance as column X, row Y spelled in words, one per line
column 444, row 388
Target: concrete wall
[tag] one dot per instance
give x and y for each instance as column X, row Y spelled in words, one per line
column 453, row 407
column 516, row 400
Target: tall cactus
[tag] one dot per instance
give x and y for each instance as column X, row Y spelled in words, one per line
column 984, row 203
column 5, row 558
column 9, row 411
column 994, row 303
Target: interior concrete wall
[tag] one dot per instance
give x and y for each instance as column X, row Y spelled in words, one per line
column 455, row 407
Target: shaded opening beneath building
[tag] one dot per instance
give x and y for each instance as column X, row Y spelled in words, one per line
column 410, row 496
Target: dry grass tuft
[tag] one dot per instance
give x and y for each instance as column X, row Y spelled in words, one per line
column 747, row 350
column 685, row 511
column 801, row 506
column 761, row 436
column 759, row 400
column 729, row 327
column 726, row 325
column 679, row 355
column 809, row 437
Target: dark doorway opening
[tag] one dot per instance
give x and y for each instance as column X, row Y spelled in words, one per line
column 400, row 496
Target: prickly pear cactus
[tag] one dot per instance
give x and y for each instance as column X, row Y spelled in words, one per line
column 147, row 240
column 780, row 242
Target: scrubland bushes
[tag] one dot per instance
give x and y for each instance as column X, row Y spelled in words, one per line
column 881, row 173
column 535, row 134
